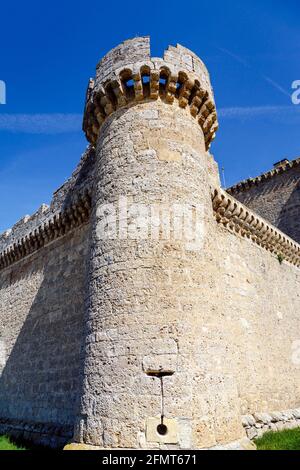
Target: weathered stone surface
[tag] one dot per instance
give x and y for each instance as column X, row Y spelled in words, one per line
column 262, row 418
column 41, row 326
column 242, row 444
column 274, row 196
column 127, row 75
column 296, row 413
column 260, row 423
column 248, row 420
column 171, row 435
column 276, row 416
column 77, row 446
column 108, row 329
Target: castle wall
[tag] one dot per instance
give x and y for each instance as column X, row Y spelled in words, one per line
column 260, row 305
column 43, row 265
column 144, row 272
column 243, row 306
column 41, row 334
column 277, row 199
column 248, row 328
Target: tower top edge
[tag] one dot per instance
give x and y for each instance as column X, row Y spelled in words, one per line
column 133, row 52
column 128, row 74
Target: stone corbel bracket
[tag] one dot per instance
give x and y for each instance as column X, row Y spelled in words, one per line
column 61, row 223
column 239, row 219
column 119, row 83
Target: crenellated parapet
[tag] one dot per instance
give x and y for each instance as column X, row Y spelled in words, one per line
column 128, row 75
column 70, row 208
column 241, row 220
column 57, row 226
column 245, row 185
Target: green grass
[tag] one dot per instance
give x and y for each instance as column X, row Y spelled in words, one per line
column 288, row 439
column 7, row 444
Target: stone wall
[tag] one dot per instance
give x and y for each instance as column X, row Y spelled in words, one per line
column 275, row 196
column 258, row 299
column 260, row 305
column 258, row 424
column 42, row 292
column 41, row 334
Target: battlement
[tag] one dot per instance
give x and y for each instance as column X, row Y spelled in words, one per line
column 241, row 220
column 128, row 75
column 274, row 195
column 279, row 168
column 69, row 208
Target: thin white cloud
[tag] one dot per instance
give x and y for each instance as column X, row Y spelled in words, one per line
column 244, row 62
column 234, row 56
column 56, row 123
column 276, row 85
column 288, row 113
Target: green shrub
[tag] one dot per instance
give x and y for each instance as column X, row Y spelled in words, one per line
column 7, row 444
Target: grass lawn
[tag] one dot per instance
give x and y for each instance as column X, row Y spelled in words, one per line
column 7, row 444
column 288, row 439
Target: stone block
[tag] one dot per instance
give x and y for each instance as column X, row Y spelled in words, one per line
column 168, row 435
column 263, row 418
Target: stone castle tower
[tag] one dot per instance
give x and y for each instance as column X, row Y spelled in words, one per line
column 151, row 121
column 143, row 307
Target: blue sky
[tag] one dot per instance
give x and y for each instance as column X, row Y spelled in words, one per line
column 50, row 49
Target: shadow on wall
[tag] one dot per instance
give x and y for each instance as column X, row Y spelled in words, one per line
column 289, row 216
column 41, row 332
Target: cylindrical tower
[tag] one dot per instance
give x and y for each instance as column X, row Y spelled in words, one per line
column 152, row 121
